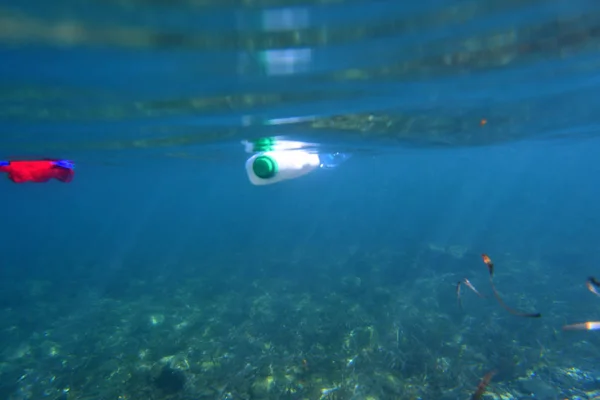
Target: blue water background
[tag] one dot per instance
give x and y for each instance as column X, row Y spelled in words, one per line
column 534, row 200
column 136, row 212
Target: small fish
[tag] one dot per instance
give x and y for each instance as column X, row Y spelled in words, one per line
column 38, row 171
column 470, row 286
column 488, row 261
column 593, row 285
column 458, row 300
column 584, row 326
column 483, row 385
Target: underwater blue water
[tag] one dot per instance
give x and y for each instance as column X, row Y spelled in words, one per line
column 517, row 197
column 160, row 187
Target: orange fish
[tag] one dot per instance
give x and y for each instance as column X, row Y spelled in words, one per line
column 483, row 385
column 488, row 261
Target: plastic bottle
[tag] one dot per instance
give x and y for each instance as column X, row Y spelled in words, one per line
column 270, row 167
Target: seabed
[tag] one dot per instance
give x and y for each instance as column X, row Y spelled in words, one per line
column 332, row 335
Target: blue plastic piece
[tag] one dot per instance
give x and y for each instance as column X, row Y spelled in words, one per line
column 332, row 160
column 4, row 163
column 64, row 164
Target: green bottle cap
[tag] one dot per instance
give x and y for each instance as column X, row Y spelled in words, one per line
column 264, row 167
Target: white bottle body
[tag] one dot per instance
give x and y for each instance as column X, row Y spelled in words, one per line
column 290, row 164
